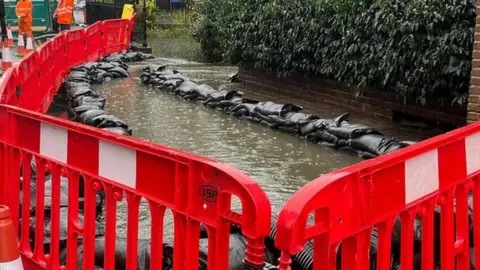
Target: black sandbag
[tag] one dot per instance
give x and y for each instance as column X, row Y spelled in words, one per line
column 87, row 100
column 85, row 67
column 99, row 229
column 113, row 58
column 105, row 66
column 122, row 72
column 248, row 109
column 239, row 113
column 145, row 79
column 270, row 108
column 172, row 76
column 87, row 117
column 236, row 253
column 252, row 119
column 63, row 194
column 98, row 105
column 265, row 118
column 106, row 120
column 293, row 119
column 153, row 68
column 313, row 125
column 185, row 87
column 323, row 137
column 100, row 76
column 84, row 108
column 170, row 84
column 143, row 254
column 223, row 95
column 81, row 91
column 375, row 144
column 351, row 131
column 227, row 104
column 289, row 130
column 200, row 92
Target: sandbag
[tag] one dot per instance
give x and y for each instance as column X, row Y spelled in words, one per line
column 223, row 95
column 315, row 124
column 122, row 73
column 200, row 92
column 374, row 143
column 185, row 87
column 84, row 108
column 351, row 131
column 323, row 137
column 293, row 119
column 106, row 120
column 87, row 100
column 170, row 84
column 248, row 109
column 99, row 229
column 270, row 108
column 87, row 117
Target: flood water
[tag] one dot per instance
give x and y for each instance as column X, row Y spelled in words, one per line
column 279, row 162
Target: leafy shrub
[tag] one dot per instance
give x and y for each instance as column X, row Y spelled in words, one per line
column 151, row 13
column 419, row 48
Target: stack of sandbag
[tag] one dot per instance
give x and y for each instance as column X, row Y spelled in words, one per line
column 236, row 254
column 128, row 57
column 98, row 72
column 48, row 194
column 367, row 142
column 85, row 105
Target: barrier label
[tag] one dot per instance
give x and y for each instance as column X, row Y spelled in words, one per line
column 208, row 193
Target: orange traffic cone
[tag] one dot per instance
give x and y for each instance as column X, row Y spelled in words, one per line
column 29, row 47
column 21, row 46
column 9, row 36
column 6, row 58
column 9, row 255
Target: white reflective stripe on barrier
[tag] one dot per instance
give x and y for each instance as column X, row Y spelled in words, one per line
column 472, row 150
column 117, row 163
column 421, row 176
column 53, row 142
column 14, row 265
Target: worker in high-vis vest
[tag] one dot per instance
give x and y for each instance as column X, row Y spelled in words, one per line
column 24, row 15
column 64, row 14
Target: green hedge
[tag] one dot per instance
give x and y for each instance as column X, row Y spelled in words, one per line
column 417, row 48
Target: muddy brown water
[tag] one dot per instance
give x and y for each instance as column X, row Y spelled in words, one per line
column 278, row 162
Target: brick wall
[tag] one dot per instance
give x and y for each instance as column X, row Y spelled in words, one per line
column 474, row 91
column 315, row 92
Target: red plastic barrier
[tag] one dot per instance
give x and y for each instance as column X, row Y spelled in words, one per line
column 93, row 41
column 46, row 63
column 8, row 87
column 196, row 189
column 128, row 35
column 28, row 79
column 60, row 69
column 405, row 184
column 114, row 35
column 75, row 50
column 38, row 77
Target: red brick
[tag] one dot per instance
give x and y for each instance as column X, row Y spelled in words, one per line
column 475, row 81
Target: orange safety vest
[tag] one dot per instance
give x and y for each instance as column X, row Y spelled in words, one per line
column 24, row 9
column 64, row 12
